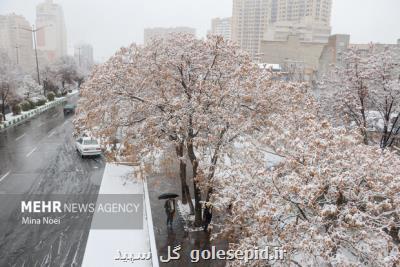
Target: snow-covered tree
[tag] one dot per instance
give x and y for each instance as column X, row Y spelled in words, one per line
column 9, row 75
column 329, row 200
column 197, row 94
column 385, row 95
column 67, row 71
column 28, row 87
column 366, row 87
column 62, row 72
column 49, row 79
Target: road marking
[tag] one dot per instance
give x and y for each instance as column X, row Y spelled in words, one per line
column 40, row 125
column 30, row 153
column 55, row 115
column 19, row 137
column 4, row 176
column 51, row 134
column 95, row 167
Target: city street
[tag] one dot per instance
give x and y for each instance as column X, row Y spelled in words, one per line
column 38, row 157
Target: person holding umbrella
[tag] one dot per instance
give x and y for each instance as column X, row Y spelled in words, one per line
column 169, row 206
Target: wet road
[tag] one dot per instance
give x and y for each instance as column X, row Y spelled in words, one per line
column 38, row 157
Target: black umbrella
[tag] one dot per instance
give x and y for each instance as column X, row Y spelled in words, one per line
column 168, row 195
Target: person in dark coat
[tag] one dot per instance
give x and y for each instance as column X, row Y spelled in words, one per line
column 170, row 210
column 207, row 216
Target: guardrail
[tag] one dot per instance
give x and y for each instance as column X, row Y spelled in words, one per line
column 31, row 113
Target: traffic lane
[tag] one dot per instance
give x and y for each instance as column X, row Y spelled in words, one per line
column 22, row 139
column 16, row 154
column 35, row 127
column 32, row 129
column 62, row 171
column 53, row 155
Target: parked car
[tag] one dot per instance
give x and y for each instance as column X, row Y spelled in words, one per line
column 69, row 109
column 88, row 146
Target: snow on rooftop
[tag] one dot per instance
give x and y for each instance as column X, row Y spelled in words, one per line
column 105, row 247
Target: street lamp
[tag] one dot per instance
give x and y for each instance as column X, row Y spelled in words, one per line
column 16, row 50
column 33, row 31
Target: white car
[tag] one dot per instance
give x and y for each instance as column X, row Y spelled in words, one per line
column 88, row 146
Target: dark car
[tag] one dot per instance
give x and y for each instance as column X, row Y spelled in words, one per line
column 69, row 109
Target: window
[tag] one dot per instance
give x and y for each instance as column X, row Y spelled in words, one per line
column 90, row 142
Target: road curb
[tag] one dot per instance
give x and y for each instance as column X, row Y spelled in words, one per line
column 32, row 113
column 150, row 226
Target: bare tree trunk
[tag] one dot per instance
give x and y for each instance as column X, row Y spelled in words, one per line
column 364, row 121
column 3, row 109
column 186, row 198
column 196, row 188
column 214, row 161
column 4, row 95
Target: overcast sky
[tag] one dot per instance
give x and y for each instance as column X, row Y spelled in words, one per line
column 110, row 24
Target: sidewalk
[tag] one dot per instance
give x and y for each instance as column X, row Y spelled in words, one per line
column 103, row 246
column 189, row 241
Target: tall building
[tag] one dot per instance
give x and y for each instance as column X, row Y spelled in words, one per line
column 318, row 11
column 83, row 54
column 52, row 38
column 15, row 41
column 309, row 19
column 249, row 22
column 150, row 33
column 222, row 27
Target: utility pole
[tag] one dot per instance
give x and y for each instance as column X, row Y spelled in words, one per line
column 16, row 50
column 37, row 61
column 34, row 30
column 79, row 56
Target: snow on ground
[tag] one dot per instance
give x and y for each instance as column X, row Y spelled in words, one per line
column 186, row 218
column 10, row 116
column 104, row 246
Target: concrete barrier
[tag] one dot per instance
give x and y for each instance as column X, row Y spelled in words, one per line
column 30, row 114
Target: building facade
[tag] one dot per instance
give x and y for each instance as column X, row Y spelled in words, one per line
column 307, row 31
column 222, row 27
column 309, row 19
column 249, row 22
column 159, row 32
column 83, row 54
column 317, row 11
column 254, row 21
column 332, row 52
column 52, row 37
column 294, row 56
column 16, row 40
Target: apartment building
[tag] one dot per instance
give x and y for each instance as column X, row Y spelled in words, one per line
column 309, row 19
column 16, row 40
column 249, row 22
column 52, row 38
column 222, row 27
